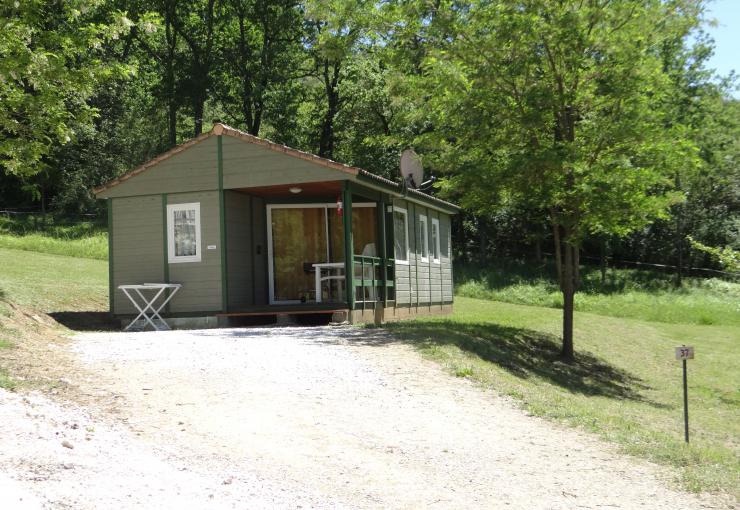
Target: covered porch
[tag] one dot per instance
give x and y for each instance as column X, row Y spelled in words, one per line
column 307, row 248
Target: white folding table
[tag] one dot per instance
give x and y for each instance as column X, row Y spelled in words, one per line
column 146, row 305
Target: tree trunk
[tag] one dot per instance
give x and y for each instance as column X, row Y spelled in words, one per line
column 679, row 237
column 172, row 122
column 538, row 250
column 198, row 106
column 330, row 75
column 170, row 92
column 483, row 242
column 679, row 250
column 566, row 262
column 326, row 140
column 603, row 261
column 568, row 288
column 558, row 253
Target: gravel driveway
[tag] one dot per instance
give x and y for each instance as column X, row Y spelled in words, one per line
column 302, row 418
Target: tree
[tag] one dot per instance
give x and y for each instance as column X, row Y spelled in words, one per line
column 260, row 55
column 50, row 65
column 335, row 30
column 561, row 103
column 196, row 22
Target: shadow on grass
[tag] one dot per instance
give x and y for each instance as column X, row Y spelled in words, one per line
column 87, row 321
column 526, row 353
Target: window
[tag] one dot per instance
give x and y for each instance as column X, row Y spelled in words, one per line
column 401, row 235
column 435, row 240
column 424, row 231
column 183, row 233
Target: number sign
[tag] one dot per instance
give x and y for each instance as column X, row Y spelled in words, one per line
column 684, row 352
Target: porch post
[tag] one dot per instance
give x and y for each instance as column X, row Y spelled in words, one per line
column 348, row 245
column 383, row 249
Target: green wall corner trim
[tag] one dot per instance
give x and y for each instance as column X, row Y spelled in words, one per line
column 348, row 247
column 165, row 248
column 111, row 291
column 222, row 223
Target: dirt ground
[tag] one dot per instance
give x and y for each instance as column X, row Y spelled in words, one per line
column 294, row 418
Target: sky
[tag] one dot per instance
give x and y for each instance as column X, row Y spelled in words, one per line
column 726, row 36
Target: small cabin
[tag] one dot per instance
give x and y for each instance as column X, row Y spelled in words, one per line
column 250, row 227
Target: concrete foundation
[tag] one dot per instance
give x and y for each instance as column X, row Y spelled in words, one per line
column 207, row 322
column 382, row 315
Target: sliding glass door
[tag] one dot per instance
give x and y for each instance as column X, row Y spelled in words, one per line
column 301, row 235
column 298, row 240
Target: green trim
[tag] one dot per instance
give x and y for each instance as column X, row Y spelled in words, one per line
column 222, row 221
column 416, row 256
column 430, row 259
column 382, row 246
column 390, row 246
column 165, row 246
column 111, row 289
column 348, row 246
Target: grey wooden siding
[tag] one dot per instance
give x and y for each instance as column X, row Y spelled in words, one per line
column 445, row 228
column 435, row 277
column 247, row 164
column 246, row 259
column 239, row 249
column 201, row 281
column 194, row 169
column 259, row 240
column 423, row 268
column 421, row 283
column 138, row 250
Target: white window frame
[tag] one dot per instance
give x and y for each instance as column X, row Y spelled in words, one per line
column 171, row 257
column 424, row 229
column 438, row 251
column 406, row 226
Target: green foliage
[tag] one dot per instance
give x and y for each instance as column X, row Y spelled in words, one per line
column 260, row 55
column 50, row 65
column 729, row 258
column 624, row 384
column 559, row 105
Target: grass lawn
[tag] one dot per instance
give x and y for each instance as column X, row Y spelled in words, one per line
column 625, row 384
column 52, row 283
column 628, row 293
column 74, row 239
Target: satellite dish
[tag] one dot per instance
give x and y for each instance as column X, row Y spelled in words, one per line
column 411, row 169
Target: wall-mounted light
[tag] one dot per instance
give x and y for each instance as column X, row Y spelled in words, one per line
column 295, row 190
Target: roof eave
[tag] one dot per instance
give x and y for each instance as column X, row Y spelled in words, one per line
column 396, row 188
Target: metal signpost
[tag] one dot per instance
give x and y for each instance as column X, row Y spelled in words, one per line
column 684, row 353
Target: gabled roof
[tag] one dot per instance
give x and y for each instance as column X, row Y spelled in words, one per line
column 223, row 129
